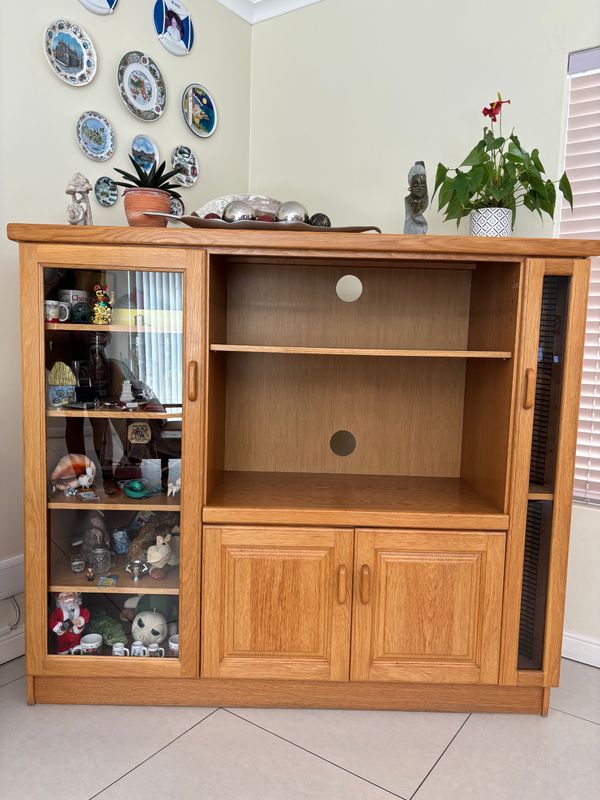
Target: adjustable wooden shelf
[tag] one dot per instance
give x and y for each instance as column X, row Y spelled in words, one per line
column 376, row 494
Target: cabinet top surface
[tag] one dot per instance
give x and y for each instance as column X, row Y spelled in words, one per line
column 323, row 241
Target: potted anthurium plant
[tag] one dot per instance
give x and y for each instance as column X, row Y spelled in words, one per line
column 148, row 191
column 497, row 177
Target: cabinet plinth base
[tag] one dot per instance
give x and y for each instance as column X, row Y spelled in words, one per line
column 291, row 694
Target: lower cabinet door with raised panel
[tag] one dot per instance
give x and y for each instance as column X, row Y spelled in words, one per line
column 427, row 606
column 276, row 603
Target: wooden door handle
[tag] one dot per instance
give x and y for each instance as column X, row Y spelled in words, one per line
column 529, row 388
column 364, row 584
column 193, row 380
column 342, row 584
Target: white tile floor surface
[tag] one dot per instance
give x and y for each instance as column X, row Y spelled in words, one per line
column 115, row 753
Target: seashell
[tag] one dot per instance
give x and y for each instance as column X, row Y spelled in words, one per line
column 69, row 468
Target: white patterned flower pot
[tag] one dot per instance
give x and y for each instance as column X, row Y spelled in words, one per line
column 490, row 222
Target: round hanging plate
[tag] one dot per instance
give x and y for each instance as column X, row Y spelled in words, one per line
column 142, row 86
column 144, row 151
column 102, row 7
column 95, row 136
column 199, row 110
column 187, row 158
column 106, row 192
column 173, row 26
column 177, row 206
column 70, row 52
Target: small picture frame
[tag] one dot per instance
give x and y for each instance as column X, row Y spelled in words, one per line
column 110, row 581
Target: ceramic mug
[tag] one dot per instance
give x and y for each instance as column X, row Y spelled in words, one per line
column 89, row 645
column 64, row 311
column 119, row 649
column 138, row 649
column 174, row 646
column 155, row 651
column 51, row 310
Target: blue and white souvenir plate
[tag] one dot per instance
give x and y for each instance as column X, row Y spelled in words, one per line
column 187, row 158
column 173, row 26
column 144, row 152
column 199, row 110
column 142, row 86
column 102, row 7
column 95, row 136
column 106, row 191
column 70, row 52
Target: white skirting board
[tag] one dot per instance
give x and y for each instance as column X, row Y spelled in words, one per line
column 579, row 647
column 12, row 577
column 12, row 645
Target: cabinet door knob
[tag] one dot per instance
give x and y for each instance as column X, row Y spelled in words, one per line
column 342, row 584
column 529, row 388
column 364, row 584
column 192, row 380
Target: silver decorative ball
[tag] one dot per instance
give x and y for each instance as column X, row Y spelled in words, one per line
column 292, row 211
column 238, row 211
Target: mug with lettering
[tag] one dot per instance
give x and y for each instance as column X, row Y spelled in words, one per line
column 138, row 649
column 154, row 651
column 64, row 311
column 89, row 645
column 51, row 310
column 174, row 646
column 119, row 649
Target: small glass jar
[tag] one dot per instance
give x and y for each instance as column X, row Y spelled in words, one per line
column 102, row 559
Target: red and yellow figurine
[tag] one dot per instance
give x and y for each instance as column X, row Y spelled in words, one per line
column 67, row 621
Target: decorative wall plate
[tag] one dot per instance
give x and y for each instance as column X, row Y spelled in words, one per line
column 95, row 136
column 173, row 26
column 199, row 110
column 142, row 86
column 100, row 6
column 177, row 207
column 70, row 52
column 106, row 192
column 144, row 152
column 187, row 158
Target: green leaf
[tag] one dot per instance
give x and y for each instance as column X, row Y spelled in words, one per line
column 446, row 193
column 461, row 187
column 476, row 179
column 516, row 158
column 475, row 157
column 127, row 175
column 535, row 157
column 170, row 174
column 440, row 177
column 565, row 188
column 142, row 174
column 538, row 185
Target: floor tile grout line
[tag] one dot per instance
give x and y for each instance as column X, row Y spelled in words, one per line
column 8, row 683
column 168, row 744
column 583, row 719
column 440, row 757
column 310, row 752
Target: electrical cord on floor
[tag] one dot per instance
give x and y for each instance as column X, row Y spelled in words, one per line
column 15, row 620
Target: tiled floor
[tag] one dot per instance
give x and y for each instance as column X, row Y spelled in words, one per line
column 80, row 752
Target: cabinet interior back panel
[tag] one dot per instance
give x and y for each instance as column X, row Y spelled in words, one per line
column 425, row 309
column 405, row 414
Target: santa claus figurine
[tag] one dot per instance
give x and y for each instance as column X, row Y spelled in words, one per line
column 68, row 621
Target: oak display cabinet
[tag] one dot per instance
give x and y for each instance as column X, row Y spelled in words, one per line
column 376, row 487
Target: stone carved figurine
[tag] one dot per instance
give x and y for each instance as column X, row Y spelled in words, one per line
column 79, row 211
column 417, row 201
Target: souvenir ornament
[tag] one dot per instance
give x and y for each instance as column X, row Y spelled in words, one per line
column 142, row 86
column 101, row 7
column 173, row 26
column 95, row 136
column 144, row 152
column 106, row 192
column 185, row 157
column 177, row 206
column 79, row 211
column 67, row 621
column 199, row 110
column 70, row 52
column 102, row 314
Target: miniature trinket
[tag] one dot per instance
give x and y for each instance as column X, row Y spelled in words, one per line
column 68, row 621
column 417, row 200
column 74, row 472
column 102, row 306
column 79, row 211
column 90, row 573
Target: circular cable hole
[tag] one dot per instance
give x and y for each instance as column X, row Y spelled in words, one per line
column 342, row 443
column 349, row 288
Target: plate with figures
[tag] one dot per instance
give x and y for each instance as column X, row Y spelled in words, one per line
column 102, row 7
column 199, row 110
column 70, row 52
column 173, row 26
column 177, row 206
column 95, row 136
column 142, row 86
column 106, row 192
column 144, row 152
column 183, row 156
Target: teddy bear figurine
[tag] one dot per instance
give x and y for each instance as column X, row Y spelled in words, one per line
column 102, row 306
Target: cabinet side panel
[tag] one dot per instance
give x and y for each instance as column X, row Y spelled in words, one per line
column 216, row 366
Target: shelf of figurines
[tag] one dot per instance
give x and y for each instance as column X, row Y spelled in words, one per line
column 61, row 578
column 71, row 326
column 126, row 413
column 118, row 501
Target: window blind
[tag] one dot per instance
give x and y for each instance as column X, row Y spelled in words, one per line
column 583, row 168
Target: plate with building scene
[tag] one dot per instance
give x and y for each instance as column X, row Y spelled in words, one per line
column 144, row 152
column 95, row 136
column 70, row 52
column 102, row 7
column 199, row 110
column 142, row 86
column 106, row 191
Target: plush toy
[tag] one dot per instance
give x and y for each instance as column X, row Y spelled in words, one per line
column 68, row 621
column 161, row 557
column 110, row 629
column 160, row 523
column 150, row 614
column 102, row 306
column 96, row 535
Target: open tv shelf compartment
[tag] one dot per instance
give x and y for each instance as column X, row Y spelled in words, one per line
column 418, row 369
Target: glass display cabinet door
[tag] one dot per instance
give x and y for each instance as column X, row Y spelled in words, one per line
column 120, row 528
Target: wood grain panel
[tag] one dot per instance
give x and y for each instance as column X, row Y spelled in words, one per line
column 271, row 606
column 215, row 328
column 434, row 608
column 559, row 266
column 405, row 414
column 354, row 351
column 120, row 258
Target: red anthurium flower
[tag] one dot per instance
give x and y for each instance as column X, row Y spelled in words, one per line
column 494, row 109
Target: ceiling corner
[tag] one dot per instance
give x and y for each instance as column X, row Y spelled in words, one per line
column 254, row 11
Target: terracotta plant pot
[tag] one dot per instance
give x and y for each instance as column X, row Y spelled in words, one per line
column 139, row 200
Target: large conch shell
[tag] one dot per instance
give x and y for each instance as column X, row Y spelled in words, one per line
column 67, row 472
